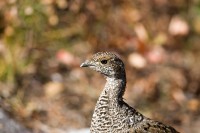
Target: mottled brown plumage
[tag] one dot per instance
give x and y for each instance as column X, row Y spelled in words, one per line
column 112, row 114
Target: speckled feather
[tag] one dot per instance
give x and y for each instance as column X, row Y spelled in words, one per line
column 112, row 114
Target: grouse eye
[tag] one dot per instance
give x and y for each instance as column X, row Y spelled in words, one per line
column 104, row 61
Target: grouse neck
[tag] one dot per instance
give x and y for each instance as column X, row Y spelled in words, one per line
column 116, row 88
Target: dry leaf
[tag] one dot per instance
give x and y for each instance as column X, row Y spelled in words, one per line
column 65, row 57
column 136, row 60
column 141, row 32
column 52, row 89
column 156, row 55
column 178, row 26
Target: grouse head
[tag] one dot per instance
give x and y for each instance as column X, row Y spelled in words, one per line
column 106, row 63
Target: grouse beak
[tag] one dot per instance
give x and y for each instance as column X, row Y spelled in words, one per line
column 87, row 63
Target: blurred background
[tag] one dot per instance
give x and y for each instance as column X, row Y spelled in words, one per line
column 43, row 43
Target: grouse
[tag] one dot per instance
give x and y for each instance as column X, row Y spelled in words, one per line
column 112, row 114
